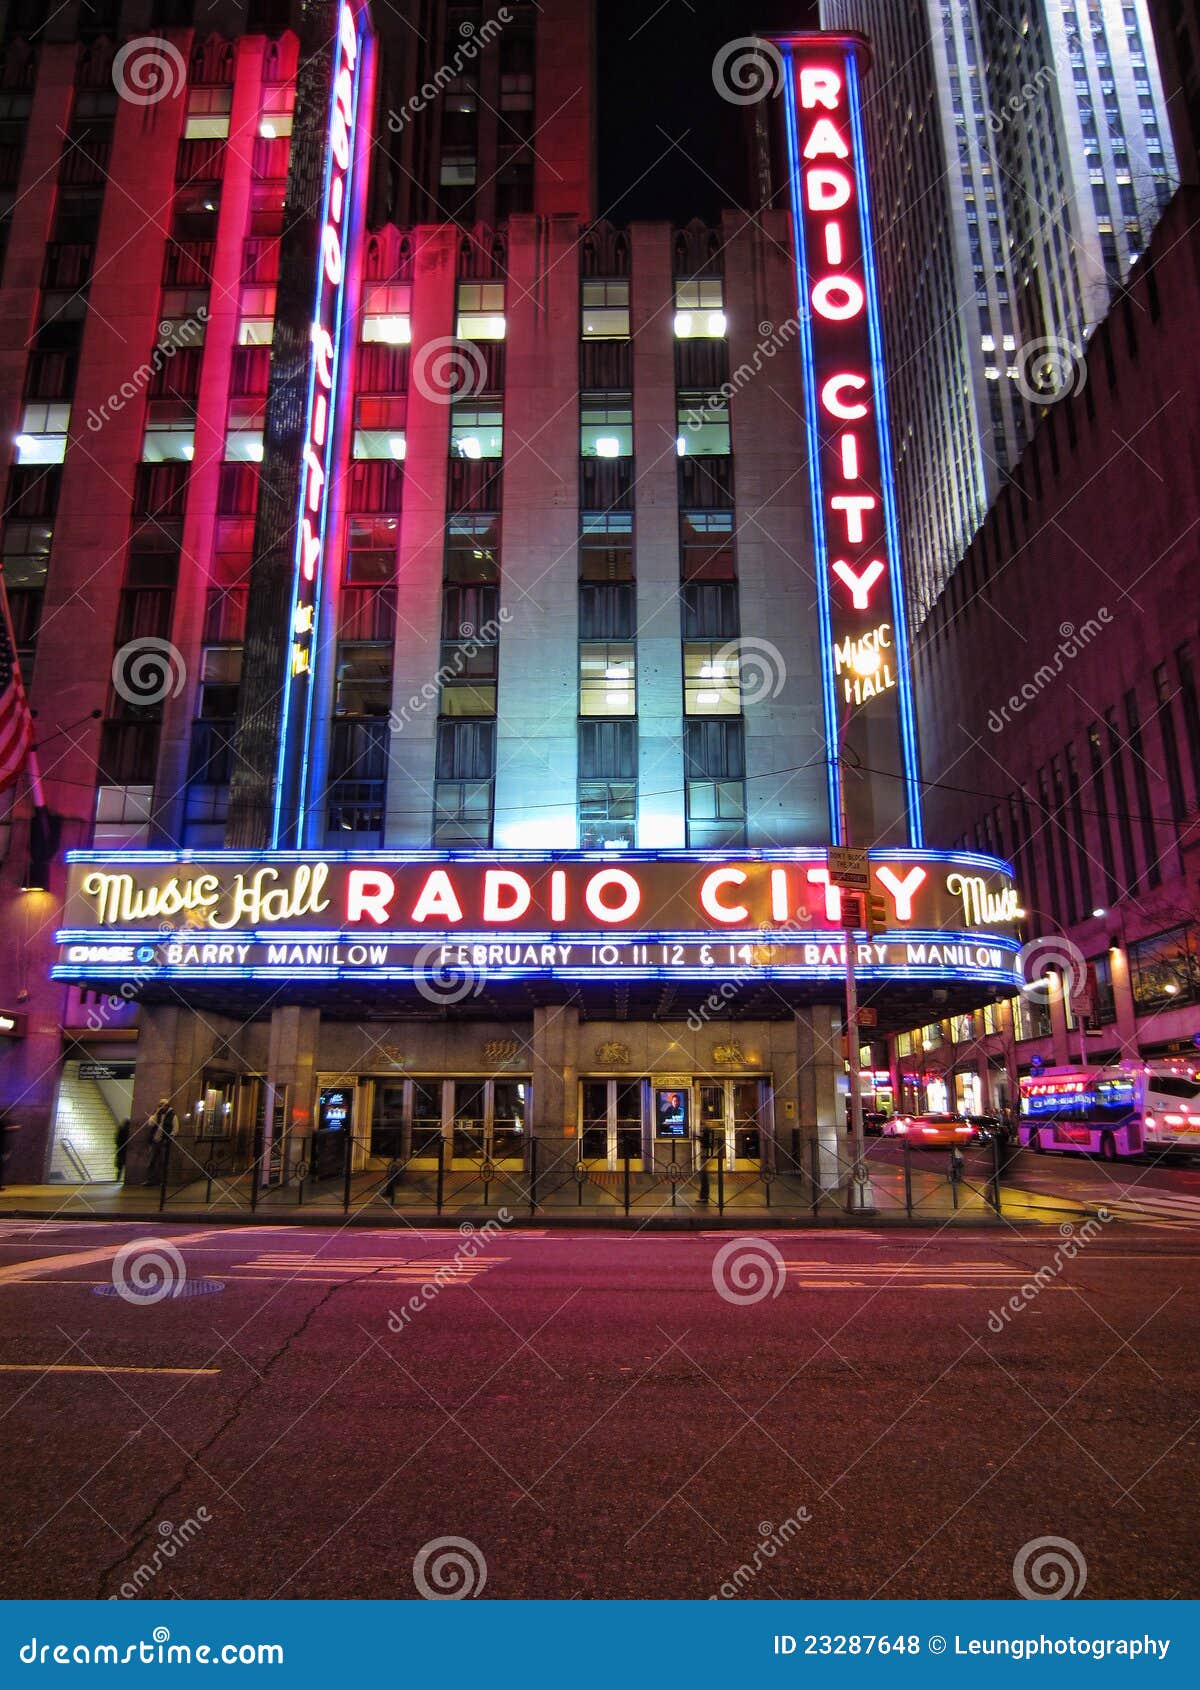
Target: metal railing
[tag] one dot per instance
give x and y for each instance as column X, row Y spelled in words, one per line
column 812, row 1180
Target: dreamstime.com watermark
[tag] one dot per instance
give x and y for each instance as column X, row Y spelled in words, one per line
column 113, row 1004
column 148, row 670
column 471, row 641
column 449, row 1569
column 1049, row 1569
column 174, row 339
column 771, row 1540
column 474, row 40
column 774, row 338
column 717, row 1002
column 1075, row 1240
column 475, row 1240
column 1071, row 641
column 1019, row 102
column 155, row 1651
column 172, row 1540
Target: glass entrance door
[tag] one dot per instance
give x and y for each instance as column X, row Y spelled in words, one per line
column 732, row 1116
column 610, row 1124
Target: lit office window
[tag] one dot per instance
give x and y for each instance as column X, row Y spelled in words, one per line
column 386, row 314
column 605, row 313
column 702, row 426
column 170, row 432
column 710, row 678
column 480, row 311
column 607, row 678
column 605, row 428
column 183, row 317
column 476, row 431
column 275, row 119
column 207, row 116
column 43, row 436
column 458, row 168
column 256, row 322
column 700, row 309
column 379, row 428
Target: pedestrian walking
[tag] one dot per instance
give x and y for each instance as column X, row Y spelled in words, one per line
column 163, row 1124
column 395, row 1173
column 122, row 1146
column 7, row 1125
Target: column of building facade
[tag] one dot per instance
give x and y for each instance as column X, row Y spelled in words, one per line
column 537, row 697
column 656, row 532
column 413, row 739
column 204, row 480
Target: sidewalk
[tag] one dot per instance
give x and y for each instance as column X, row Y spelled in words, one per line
column 323, row 1206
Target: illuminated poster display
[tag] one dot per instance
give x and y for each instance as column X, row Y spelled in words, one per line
column 867, row 693
column 564, row 915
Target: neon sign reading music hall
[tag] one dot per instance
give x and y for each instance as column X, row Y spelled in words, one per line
column 868, row 702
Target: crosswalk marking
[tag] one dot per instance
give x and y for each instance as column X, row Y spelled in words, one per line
column 393, row 1270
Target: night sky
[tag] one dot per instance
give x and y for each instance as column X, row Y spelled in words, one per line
column 655, row 82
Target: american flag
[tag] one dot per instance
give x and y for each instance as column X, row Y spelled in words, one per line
column 16, row 723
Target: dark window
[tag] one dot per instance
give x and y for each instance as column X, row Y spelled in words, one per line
column 1141, row 784
column 1099, row 807
column 607, row 610
column 710, row 610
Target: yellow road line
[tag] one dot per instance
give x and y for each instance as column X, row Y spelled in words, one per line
column 72, row 1367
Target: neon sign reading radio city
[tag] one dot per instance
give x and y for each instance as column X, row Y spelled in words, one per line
column 331, row 277
column 334, row 239
column 864, row 639
column 568, row 914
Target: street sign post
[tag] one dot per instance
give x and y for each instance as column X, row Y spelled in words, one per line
column 849, row 868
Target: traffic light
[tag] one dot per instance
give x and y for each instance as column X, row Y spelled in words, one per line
column 877, row 916
column 854, row 918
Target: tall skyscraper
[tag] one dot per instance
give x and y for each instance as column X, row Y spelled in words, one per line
column 1022, row 155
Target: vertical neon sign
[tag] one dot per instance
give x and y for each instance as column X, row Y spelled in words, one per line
column 351, row 46
column 864, row 638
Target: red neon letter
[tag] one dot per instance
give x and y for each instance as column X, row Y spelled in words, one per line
column 779, row 895
column 854, row 505
column 831, row 397
column 709, row 901
column 819, row 88
column 593, row 895
column 860, row 585
column 825, row 142
column 849, row 450
column 437, row 898
column 497, row 881
column 833, row 894
column 902, row 890
column 826, row 190
column 837, row 298
column 368, row 893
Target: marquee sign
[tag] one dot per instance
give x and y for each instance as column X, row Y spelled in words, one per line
column 569, row 915
column 868, row 698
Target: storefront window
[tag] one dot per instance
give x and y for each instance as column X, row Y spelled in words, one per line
column 1031, row 1020
column 1165, row 970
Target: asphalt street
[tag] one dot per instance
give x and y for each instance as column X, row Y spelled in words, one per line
column 290, row 1412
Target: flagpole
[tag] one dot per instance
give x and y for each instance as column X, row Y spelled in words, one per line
column 37, row 790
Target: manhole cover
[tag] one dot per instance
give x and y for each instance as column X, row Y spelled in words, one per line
column 189, row 1288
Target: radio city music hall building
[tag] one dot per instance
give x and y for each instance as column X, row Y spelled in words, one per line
column 454, row 646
